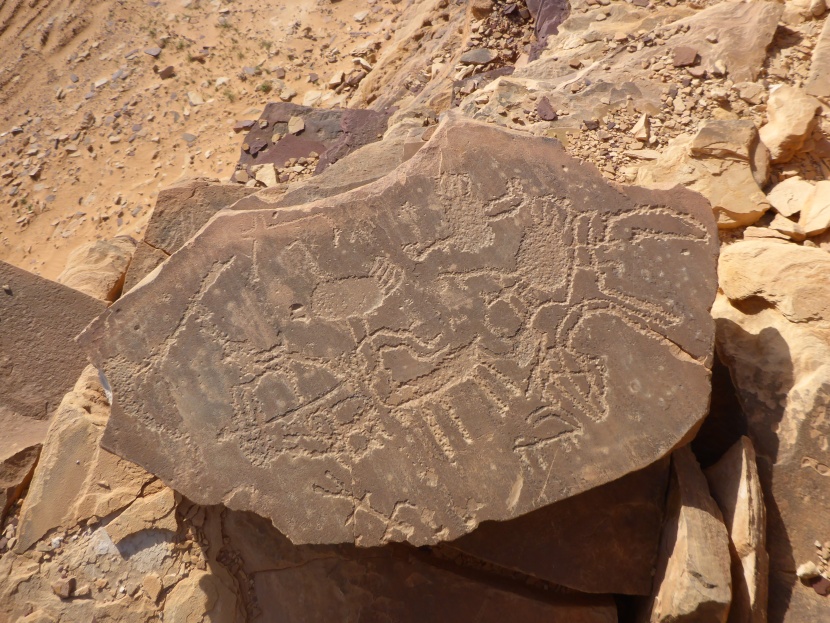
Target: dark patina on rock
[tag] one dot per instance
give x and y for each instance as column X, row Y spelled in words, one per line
column 471, row 337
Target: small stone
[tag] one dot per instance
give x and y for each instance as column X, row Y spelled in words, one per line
column 479, row 56
column 684, row 56
column 64, row 588
column 545, row 111
column 296, row 125
column 153, row 586
column 807, row 571
column 360, row 16
column 240, row 126
column 167, row 72
column 154, row 52
column 195, row 99
column 83, row 591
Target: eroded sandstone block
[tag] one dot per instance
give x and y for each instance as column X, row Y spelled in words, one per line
column 39, row 361
column 472, row 337
column 98, row 268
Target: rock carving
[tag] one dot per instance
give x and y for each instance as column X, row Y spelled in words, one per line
column 471, row 337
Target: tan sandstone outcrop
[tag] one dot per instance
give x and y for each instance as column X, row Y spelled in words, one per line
column 98, row 268
column 734, row 484
column 692, row 583
column 773, row 323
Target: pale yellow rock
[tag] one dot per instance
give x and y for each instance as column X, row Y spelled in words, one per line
column 734, row 484
column 153, row 586
column 267, row 174
column 155, row 512
column 815, row 217
column 76, row 478
column 199, row 598
column 693, row 581
column 641, row 129
column 794, row 279
column 788, row 227
column 296, row 125
column 790, row 196
column 773, row 326
column 792, row 118
column 718, row 162
column 98, row 268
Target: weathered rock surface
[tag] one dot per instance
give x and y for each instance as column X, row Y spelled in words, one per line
column 15, row 474
column 313, row 584
column 181, row 210
column 75, row 478
column 734, row 484
column 602, row 541
column 693, row 583
column 818, row 82
column 39, row 361
column 98, row 268
column 725, row 162
column 773, row 322
column 327, row 363
column 792, row 118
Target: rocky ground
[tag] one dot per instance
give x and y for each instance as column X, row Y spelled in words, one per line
column 259, row 155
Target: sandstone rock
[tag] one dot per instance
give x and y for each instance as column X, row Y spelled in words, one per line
column 788, row 227
column 64, row 588
column 818, row 81
column 773, row 320
column 154, row 512
column 481, row 8
column 309, row 353
column 602, row 541
column 181, row 210
column 75, row 478
column 790, row 196
column 15, row 474
column 721, row 161
column 792, row 118
column 39, row 361
column 266, row 174
column 200, row 598
column 296, row 125
column 815, row 215
column 684, row 56
column 479, row 56
column 733, row 483
column 99, row 268
column 392, row 583
column 692, row 584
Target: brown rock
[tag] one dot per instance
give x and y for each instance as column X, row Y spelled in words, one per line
column 154, row 512
column 181, row 210
column 602, row 541
column 145, row 260
column 98, row 268
column 733, row 482
column 310, row 354
column 545, row 111
column 39, row 361
column 792, row 118
column 64, row 588
column 15, row 474
column 481, row 8
column 76, row 479
column 684, row 56
column 392, row 583
column 773, row 321
column 692, row 584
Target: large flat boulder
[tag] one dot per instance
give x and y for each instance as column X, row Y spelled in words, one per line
column 472, row 337
column 773, row 325
column 39, row 361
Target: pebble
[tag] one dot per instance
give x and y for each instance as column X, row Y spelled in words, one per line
column 479, row 56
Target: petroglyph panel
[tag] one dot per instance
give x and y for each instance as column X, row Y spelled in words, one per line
column 486, row 330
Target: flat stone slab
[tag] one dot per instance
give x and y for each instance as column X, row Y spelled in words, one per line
column 39, row 360
column 471, row 337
